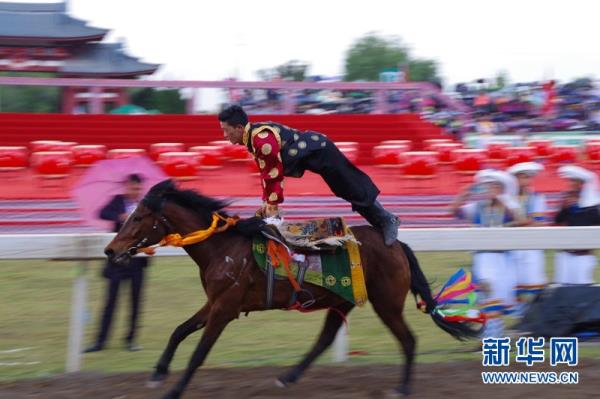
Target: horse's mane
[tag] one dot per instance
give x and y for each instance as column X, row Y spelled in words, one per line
column 190, row 199
column 196, row 202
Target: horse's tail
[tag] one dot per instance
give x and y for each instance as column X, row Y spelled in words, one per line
column 420, row 286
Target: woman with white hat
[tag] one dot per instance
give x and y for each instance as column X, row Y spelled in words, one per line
column 492, row 270
column 580, row 207
column 530, row 264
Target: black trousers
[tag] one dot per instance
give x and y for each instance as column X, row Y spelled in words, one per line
column 134, row 275
column 344, row 179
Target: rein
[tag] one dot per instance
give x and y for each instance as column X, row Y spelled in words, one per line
column 177, row 240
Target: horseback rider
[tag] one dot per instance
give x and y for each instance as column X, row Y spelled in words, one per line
column 282, row 151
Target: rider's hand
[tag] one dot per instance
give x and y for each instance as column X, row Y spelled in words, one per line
column 271, row 210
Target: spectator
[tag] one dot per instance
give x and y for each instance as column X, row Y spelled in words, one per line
column 117, row 211
column 580, row 207
column 530, row 264
column 492, row 270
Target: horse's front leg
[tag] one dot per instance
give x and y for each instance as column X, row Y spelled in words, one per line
column 194, row 323
column 221, row 314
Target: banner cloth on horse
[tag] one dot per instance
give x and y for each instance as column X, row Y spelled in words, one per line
column 336, row 267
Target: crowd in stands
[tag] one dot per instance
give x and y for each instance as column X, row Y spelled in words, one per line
column 517, row 108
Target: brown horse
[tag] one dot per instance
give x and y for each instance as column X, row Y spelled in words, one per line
column 234, row 284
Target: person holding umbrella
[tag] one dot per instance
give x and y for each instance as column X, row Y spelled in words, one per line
column 117, row 210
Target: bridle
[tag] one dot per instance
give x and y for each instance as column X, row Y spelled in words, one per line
column 159, row 220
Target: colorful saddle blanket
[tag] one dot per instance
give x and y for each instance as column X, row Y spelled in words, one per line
column 338, row 269
column 316, row 234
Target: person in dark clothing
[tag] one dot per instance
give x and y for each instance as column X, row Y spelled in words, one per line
column 117, row 211
column 580, row 207
column 282, row 151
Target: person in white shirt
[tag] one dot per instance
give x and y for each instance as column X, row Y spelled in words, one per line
column 530, row 264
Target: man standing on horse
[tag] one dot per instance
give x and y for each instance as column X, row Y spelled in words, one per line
column 282, row 151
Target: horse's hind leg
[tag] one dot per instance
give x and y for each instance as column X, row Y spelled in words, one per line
column 333, row 322
column 194, row 323
column 392, row 317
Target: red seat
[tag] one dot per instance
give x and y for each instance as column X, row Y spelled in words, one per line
column 85, row 155
column 211, row 156
column 158, row 148
column 542, row 147
column 52, row 163
column 350, row 152
column 468, row 160
column 181, row 165
column 564, row 154
column 347, row 144
column 445, row 151
column 592, row 150
column 118, row 153
column 13, row 157
column 389, row 155
column 230, row 151
column 428, row 143
column 419, row 164
column 497, row 151
column 519, row 154
column 407, row 143
column 51, row 145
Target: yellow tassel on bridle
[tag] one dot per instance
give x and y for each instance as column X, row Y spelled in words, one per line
column 177, row 240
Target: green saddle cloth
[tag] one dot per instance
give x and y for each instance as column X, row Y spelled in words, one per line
column 328, row 269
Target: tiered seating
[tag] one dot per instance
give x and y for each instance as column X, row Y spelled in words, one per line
column 140, row 131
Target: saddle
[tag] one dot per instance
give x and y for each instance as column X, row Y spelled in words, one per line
column 313, row 235
column 322, row 252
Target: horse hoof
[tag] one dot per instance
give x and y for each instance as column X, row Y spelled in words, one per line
column 156, row 379
column 171, row 395
column 403, row 390
column 280, row 383
column 153, row 384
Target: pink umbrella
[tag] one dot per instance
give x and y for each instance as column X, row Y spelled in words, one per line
column 105, row 179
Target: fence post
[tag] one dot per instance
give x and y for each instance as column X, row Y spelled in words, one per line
column 76, row 325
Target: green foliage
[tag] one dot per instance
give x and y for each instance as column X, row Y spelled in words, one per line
column 372, row 54
column 421, row 70
column 164, row 101
column 294, row 70
column 29, row 98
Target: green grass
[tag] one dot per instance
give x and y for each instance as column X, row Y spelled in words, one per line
column 35, row 301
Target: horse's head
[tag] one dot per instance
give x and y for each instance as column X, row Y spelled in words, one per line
column 163, row 210
column 144, row 227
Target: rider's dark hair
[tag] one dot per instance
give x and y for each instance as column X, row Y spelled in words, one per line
column 234, row 115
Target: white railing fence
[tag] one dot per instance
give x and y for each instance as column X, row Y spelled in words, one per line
column 84, row 247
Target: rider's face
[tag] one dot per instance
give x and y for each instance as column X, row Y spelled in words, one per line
column 232, row 133
column 524, row 180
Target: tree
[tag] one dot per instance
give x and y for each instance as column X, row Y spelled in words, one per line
column 420, row 70
column 372, row 54
column 29, row 98
column 294, row 70
column 164, row 101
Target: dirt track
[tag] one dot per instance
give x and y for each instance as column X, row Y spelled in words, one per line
column 462, row 380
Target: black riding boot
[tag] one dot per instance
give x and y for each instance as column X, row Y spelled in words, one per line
column 383, row 220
